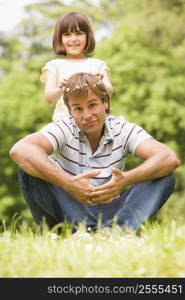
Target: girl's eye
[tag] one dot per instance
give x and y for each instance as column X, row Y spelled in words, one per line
column 80, row 32
column 66, row 34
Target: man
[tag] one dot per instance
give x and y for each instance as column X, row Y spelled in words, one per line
column 72, row 170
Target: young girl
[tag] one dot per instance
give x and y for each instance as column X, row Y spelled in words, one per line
column 73, row 37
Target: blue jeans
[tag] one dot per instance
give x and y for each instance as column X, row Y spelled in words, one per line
column 131, row 208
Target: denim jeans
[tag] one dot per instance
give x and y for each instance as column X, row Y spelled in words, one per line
column 131, row 208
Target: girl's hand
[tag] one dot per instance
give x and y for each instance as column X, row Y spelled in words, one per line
column 99, row 75
column 62, row 83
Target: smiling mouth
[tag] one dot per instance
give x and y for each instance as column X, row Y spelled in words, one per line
column 73, row 46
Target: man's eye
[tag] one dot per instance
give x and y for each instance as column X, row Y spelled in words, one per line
column 93, row 105
column 78, row 109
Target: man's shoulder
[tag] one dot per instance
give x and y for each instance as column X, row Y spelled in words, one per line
column 120, row 126
column 66, row 127
column 66, row 121
column 116, row 120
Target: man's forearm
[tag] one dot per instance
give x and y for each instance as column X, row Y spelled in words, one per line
column 155, row 167
column 34, row 161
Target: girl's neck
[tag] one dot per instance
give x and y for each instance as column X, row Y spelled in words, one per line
column 75, row 58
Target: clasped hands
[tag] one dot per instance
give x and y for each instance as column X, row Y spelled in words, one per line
column 82, row 190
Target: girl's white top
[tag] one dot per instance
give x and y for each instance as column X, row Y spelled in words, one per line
column 63, row 69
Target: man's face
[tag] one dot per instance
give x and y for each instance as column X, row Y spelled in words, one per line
column 89, row 113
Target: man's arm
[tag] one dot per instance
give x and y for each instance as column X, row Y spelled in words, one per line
column 159, row 161
column 31, row 154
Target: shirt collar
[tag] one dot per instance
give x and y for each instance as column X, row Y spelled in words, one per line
column 108, row 134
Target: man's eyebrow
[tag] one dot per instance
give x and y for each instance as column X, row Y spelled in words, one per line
column 92, row 100
column 75, row 104
column 89, row 101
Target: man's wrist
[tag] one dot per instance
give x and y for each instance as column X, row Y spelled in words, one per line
column 127, row 179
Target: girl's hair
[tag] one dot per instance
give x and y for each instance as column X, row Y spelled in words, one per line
column 73, row 22
column 78, row 84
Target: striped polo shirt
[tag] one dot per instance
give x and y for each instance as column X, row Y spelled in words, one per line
column 72, row 151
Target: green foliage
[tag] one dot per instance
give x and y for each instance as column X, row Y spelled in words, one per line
column 23, row 111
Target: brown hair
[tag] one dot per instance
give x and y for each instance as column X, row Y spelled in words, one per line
column 73, row 21
column 78, row 84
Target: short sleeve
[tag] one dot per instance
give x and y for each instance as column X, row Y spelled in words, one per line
column 55, row 135
column 136, row 136
column 103, row 66
column 49, row 66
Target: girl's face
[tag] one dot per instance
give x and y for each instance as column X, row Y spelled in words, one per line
column 74, row 43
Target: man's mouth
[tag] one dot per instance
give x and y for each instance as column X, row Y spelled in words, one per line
column 89, row 124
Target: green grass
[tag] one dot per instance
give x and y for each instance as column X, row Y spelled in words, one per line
column 158, row 252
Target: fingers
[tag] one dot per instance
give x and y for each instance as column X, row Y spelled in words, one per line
column 103, row 196
column 62, row 83
column 99, row 75
column 106, row 201
column 103, row 188
column 103, row 201
column 96, row 193
column 116, row 172
column 89, row 202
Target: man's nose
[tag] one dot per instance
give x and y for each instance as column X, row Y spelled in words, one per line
column 87, row 114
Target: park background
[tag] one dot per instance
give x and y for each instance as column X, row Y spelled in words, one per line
column 142, row 42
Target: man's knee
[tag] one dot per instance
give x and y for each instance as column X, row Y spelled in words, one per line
column 169, row 182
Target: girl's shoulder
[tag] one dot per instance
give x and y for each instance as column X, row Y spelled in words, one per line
column 98, row 63
column 53, row 65
column 95, row 60
column 56, row 61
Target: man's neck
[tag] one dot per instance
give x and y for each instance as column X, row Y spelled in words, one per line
column 94, row 140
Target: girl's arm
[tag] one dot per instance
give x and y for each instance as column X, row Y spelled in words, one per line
column 53, row 91
column 107, row 82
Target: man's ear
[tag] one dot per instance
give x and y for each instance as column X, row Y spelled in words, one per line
column 106, row 104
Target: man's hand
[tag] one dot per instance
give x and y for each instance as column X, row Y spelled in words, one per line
column 80, row 187
column 107, row 192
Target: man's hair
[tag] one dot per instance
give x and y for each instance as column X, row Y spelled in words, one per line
column 78, row 84
column 73, row 22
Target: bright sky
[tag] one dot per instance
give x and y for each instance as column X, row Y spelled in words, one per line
column 11, row 13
